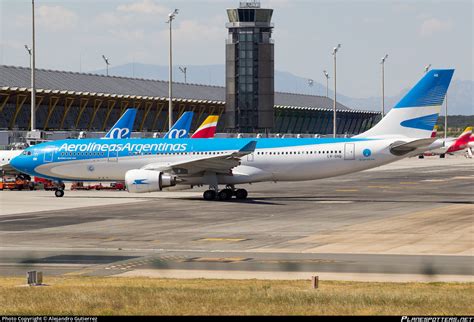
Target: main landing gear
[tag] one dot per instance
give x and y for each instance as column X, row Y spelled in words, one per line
column 225, row 194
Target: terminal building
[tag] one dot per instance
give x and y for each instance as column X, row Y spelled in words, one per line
column 70, row 101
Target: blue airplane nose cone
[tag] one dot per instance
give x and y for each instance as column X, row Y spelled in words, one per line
column 20, row 163
column 16, row 162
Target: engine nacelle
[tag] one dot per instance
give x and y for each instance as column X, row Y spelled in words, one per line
column 139, row 181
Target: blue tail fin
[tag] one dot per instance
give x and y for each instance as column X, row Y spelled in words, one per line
column 429, row 91
column 417, row 112
column 181, row 128
column 124, row 126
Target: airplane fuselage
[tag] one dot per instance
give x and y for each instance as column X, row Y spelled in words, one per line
column 272, row 160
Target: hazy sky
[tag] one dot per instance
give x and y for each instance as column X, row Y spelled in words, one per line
column 73, row 34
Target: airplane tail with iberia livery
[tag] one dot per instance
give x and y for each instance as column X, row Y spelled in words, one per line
column 207, row 128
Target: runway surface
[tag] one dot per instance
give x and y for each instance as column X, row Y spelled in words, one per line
column 411, row 219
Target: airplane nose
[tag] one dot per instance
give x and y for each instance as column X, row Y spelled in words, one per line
column 15, row 162
column 20, row 163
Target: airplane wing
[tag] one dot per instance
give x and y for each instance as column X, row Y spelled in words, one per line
column 400, row 148
column 221, row 163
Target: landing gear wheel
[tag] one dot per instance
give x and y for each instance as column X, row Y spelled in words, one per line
column 442, row 156
column 421, row 156
column 209, row 195
column 241, row 194
column 225, row 194
column 59, row 193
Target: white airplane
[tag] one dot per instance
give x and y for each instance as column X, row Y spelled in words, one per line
column 149, row 165
column 5, row 157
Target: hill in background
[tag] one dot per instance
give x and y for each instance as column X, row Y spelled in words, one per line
column 460, row 99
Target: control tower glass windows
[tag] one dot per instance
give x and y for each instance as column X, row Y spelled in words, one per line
column 232, row 14
column 263, row 15
column 250, row 15
column 246, row 15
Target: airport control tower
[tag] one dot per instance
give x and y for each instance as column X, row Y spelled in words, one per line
column 249, row 69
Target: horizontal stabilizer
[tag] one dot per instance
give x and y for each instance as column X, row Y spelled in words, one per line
column 400, row 148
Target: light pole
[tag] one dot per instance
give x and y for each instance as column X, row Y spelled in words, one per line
column 327, row 82
column 446, row 117
column 28, row 49
column 384, row 58
column 184, row 70
column 107, row 63
column 32, row 67
column 427, row 68
column 171, row 17
column 334, row 52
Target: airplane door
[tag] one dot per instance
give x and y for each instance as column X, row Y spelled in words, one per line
column 112, row 156
column 349, row 151
column 250, row 157
column 48, row 156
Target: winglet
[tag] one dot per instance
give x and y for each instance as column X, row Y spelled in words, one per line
column 249, row 147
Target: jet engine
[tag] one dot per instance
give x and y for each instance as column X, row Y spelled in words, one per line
column 139, row 181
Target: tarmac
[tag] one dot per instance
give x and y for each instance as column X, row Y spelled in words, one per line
column 411, row 220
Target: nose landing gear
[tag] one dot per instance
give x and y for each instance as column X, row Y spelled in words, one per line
column 59, row 193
